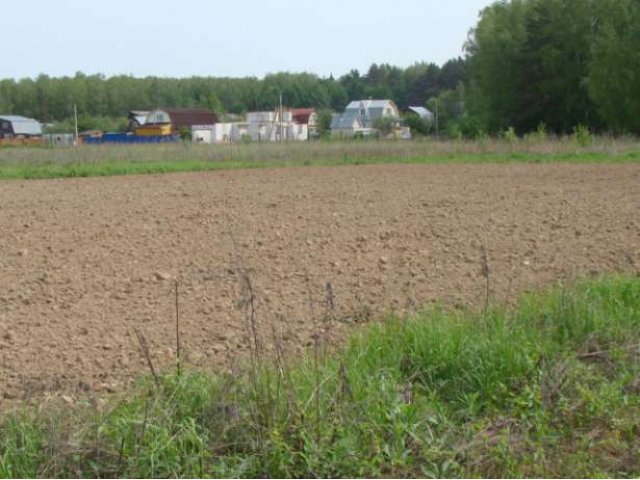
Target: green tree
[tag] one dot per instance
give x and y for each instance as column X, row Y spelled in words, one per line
column 495, row 50
column 422, row 82
column 449, row 107
column 214, row 104
column 419, row 126
column 530, row 61
column 324, row 117
column 553, row 80
column 614, row 80
column 353, row 84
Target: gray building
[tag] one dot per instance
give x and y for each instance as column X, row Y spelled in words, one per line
column 14, row 126
column 422, row 113
column 360, row 117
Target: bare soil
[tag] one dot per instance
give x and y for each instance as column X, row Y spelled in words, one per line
column 85, row 261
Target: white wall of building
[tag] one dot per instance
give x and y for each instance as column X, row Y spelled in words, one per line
column 260, row 127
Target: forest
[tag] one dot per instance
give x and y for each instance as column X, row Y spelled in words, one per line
column 528, row 65
column 555, row 65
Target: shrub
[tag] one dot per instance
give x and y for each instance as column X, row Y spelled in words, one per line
column 185, row 134
column 581, row 135
column 541, row 132
column 510, row 135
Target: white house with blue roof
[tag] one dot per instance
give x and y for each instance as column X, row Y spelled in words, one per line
column 361, row 116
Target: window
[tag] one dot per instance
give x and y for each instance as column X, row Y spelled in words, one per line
column 157, row 117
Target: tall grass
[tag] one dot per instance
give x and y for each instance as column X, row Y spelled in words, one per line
column 550, row 388
column 94, row 160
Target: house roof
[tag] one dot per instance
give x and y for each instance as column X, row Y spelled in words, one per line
column 23, row 125
column 422, row 112
column 369, row 104
column 374, row 109
column 139, row 116
column 138, row 113
column 302, row 115
column 187, row 117
column 347, row 120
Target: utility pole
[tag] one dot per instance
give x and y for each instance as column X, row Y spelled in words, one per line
column 437, row 122
column 281, row 119
column 75, row 115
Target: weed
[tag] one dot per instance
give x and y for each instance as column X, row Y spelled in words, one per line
column 510, row 135
column 582, row 135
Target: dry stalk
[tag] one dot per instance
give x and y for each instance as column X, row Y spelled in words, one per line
column 177, row 328
column 249, row 301
column 316, row 352
column 293, row 413
column 144, row 348
column 606, row 354
column 279, row 349
column 121, row 457
column 329, row 315
column 316, row 367
column 486, row 273
column 233, row 364
column 362, row 312
column 310, row 301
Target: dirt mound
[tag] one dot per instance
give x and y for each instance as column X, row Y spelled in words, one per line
column 84, row 262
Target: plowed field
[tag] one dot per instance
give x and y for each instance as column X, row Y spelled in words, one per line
column 84, row 262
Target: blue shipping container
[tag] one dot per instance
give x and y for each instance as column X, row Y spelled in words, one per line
column 128, row 138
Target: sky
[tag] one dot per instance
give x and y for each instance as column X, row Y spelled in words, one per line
column 233, row 38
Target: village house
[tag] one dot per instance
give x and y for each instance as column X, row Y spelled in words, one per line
column 362, row 118
column 16, row 127
column 308, row 117
column 268, row 126
column 169, row 121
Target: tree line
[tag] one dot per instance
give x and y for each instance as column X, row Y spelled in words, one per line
column 104, row 102
column 529, row 65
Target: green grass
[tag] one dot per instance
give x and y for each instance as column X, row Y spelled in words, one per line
column 88, row 161
column 548, row 389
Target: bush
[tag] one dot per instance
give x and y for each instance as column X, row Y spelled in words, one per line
column 324, row 117
column 541, row 132
column 385, row 125
column 185, row 134
column 582, row 136
column 510, row 135
column 419, row 126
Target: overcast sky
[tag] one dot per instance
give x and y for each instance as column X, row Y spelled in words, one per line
column 233, row 38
